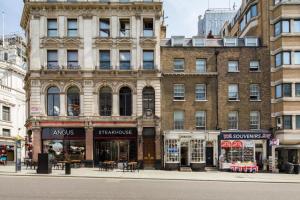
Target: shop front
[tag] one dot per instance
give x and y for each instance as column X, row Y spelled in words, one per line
column 64, row 143
column 184, row 149
column 243, row 148
column 7, row 151
column 115, row 144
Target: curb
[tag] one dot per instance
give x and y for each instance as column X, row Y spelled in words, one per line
column 151, row 179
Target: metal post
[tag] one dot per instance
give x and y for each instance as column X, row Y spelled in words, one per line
column 3, row 29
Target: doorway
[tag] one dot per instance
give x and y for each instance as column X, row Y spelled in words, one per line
column 209, row 156
column 184, row 152
column 149, row 148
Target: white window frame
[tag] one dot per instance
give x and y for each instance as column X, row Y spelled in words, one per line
column 175, row 65
column 172, row 156
column 197, row 151
column 201, row 63
column 254, row 120
column 178, row 92
column 200, row 91
column 231, row 120
column 254, row 92
column 200, row 118
column 178, row 123
column 230, row 96
column 233, row 64
column 254, row 66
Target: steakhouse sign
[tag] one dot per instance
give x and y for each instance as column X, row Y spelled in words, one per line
column 245, row 136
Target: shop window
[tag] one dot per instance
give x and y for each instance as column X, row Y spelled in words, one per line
column 172, row 150
column 53, row 101
column 233, row 120
column 148, row 59
column 73, row 101
column 178, row 65
column 287, row 122
column 148, row 101
column 5, row 113
column 197, row 151
column 254, row 66
column 200, row 92
column 200, row 120
column 6, row 132
column 104, row 26
column 125, row 101
column 200, row 65
column 104, row 56
column 125, row 60
column 254, row 92
column 233, row 93
column 233, row 66
column 179, row 92
column 72, row 28
column 124, row 27
column 52, row 28
column 254, row 120
column 148, row 28
column 178, row 120
column 52, row 59
column 105, row 101
column 72, row 59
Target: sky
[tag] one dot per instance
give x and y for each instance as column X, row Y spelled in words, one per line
column 181, row 16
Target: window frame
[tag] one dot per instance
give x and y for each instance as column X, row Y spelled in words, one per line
column 148, row 62
column 231, row 122
column 53, row 96
column 175, row 66
column 237, row 92
column 52, row 64
column 126, row 63
column 253, row 96
column 200, row 120
column 236, row 63
column 49, row 30
column 254, row 68
column 105, row 64
column 69, row 30
column 203, row 64
column 178, row 123
column 290, row 126
column 146, row 30
column 123, row 31
column 178, row 93
column 104, row 29
column 197, row 93
column 72, row 64
column 6, row 113
column 254, row 124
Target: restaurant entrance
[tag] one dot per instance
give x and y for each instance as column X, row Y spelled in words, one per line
column 149, row 148
column 112, row 150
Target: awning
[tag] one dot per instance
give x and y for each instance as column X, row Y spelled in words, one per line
column 7, row 143
column 288, row 147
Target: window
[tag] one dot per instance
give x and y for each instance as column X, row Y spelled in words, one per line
column 278, row 91
column 233, row 66
column 297, row 89
column 6, row 132
column 105, row 101
column 200, row 65
column 104, row 26
column 233, row 93
column 148, row 59
column 178, row 65
column 287, row 122
column 52, row 59
column 52, row 28
column 72, row 59
column 233, row 120
column 283, row 58
column 125, row 102
column 297, row 58
column 5, row 113
column 104, row 59
column 200, row 92
column 197, row 151
column 297, row 26
column 172, row 151
column 5, row 56
column 200, row 120
column 282, row 27
column 243, row 24
column 254, row 120
column 148, row 101
column 254, row 66
column 298, row 122
column 179, row 92
column 254, row 92
column 73, row 101
column 72, row 27
column 125, row 60
column 124, row 28
column 148, row 28
column 178, row 120
column 283, row 90
column 53, row 101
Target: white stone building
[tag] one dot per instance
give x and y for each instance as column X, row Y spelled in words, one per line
column 12, row 95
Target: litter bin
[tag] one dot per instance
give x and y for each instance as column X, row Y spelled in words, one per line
column 68, row 168
column 297, row 169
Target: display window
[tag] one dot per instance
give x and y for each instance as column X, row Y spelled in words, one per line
column 172, row 150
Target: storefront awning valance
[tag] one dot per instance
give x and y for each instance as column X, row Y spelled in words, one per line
column 245, row 136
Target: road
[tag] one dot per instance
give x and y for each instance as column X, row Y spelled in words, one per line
column 40, row 188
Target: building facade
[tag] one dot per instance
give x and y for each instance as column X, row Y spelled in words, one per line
column 12, row 95
column 93, row 84
column 279, row 28
column 213, row 88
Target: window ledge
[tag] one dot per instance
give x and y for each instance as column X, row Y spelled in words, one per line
column 201, row 100
column 258, row 71
column 234, row 100
column 233, row 72
column 255, row 100
column 178, row 100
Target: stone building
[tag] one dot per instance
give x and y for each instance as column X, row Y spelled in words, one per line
column 277, row 23
column 93, row 83
column 12, row 95
column 214, row 87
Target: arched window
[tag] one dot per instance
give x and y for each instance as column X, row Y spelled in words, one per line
column 73, row 101
column 53, row 101
column 125, row 102
column 105, row 101
column 148, row 101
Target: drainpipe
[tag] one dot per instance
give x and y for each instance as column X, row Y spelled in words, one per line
column 217, row 89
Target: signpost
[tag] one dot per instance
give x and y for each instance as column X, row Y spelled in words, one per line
column 18, row 155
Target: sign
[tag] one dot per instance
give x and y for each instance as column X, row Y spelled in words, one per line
column 225, row 144
column 237, row 144
column 34, row 110
column 246, row 136
column 63, row 133
column 115, row 132
column 274, row 142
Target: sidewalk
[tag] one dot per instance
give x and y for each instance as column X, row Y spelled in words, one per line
column 161, row 175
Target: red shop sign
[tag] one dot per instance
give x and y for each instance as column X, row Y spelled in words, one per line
column 237, row 144
column 225, row 144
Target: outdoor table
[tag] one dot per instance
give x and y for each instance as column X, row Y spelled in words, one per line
column 132, row 165
column 109, row 164
column 76, row 163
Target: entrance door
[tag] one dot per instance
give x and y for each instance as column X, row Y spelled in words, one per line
column 209, row 156
column 149, row 152
column 184, row 156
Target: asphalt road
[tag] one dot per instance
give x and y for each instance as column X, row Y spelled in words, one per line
column 39, row 188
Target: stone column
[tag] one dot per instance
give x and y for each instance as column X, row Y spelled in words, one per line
column 89, row 144
column 158, row 148
column 273, row 160
column 115, row 106
column 37, row 143
column 134, row 103
column 264, row 156
column 140, row 144
column 62, row 98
